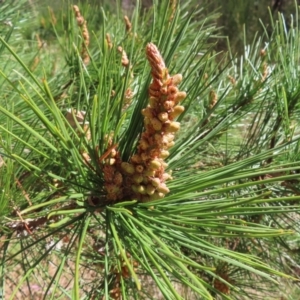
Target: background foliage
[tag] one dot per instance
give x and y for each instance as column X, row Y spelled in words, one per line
column 235, row 19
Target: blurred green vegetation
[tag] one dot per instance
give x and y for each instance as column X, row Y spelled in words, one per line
column 236, row 19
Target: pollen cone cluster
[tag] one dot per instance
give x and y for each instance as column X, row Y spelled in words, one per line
column 113, row 177
column 145, row 171
column 144, row 177
column 81, row 22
